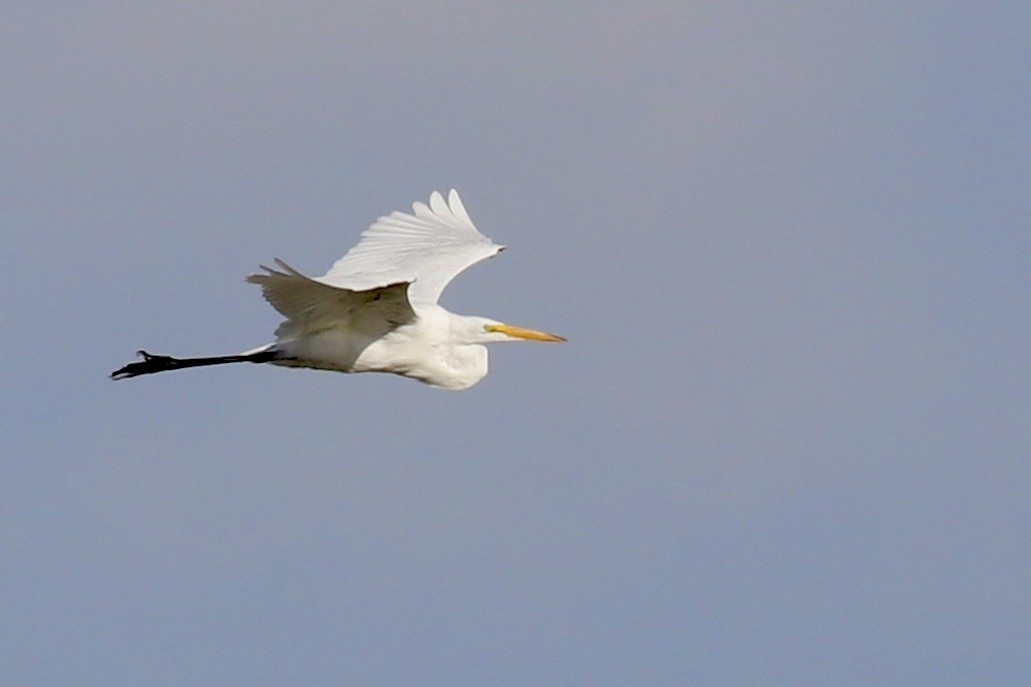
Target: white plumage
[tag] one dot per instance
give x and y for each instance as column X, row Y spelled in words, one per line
column 376, row 309
column 430, row 248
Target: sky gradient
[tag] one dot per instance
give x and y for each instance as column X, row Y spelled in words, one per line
column 787, row 443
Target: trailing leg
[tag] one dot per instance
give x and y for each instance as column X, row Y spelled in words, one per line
column 159, row 363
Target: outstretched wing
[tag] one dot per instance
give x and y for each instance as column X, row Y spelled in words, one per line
column 311, row 305
column 428, row 248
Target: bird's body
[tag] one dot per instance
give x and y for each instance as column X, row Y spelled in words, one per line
column 376, row 309
column 422, row 349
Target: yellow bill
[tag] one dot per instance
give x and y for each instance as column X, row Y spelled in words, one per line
column 523, row 333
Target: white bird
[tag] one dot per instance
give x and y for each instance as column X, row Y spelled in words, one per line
column 376, row 309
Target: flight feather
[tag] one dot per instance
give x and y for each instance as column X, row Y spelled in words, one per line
column 428, row 247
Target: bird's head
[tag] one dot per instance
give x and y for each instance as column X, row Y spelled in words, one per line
column 484, row 330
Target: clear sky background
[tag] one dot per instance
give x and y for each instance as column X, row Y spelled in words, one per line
column 788, row 440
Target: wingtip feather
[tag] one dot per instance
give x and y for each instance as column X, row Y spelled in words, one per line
column 437, row 204
column 458, row 207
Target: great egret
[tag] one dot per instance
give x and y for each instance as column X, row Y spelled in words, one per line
column 376, row 309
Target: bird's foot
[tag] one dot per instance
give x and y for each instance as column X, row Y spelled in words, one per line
column 150, row 364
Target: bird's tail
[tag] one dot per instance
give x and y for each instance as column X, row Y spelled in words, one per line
column 159, row 363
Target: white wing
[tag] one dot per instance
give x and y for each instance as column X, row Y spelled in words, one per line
column 311, row 306
column 428, row 248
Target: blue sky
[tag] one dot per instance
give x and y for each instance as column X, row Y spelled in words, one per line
column 787, row 442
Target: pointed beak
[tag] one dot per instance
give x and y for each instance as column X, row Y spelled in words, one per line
column 523, row 333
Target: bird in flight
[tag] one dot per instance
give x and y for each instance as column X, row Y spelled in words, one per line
column 376, row 309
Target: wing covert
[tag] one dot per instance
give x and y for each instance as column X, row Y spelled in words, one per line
column 310, row 305
column 428, row 247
